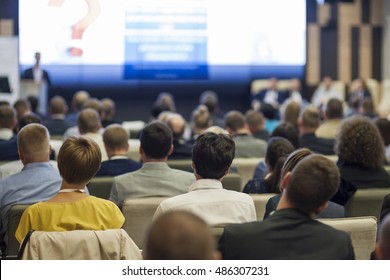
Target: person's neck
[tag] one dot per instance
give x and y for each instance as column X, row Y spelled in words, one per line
column 72, row 186
column 241, row 131
column 148, row 159
column 307, row 130
column 122, row 153
column 284, row 203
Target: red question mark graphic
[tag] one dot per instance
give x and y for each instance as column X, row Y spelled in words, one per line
column 79, row 28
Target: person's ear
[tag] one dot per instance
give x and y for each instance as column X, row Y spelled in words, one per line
column 170, row 150
column 285, row 180
column 321, row 208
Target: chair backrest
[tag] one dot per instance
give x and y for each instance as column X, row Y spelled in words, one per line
column 375, row 90
column 246, row 168
column 138, row 214
column 133, row 152
column 181, row 164
column 384, row 105
column 260, row 84
column 112, row 244
column 362, row 231
column 100, row 187
column 232, row 182
column 366, row 202
column 260, row 201
column 14, row 215
column 387, row 167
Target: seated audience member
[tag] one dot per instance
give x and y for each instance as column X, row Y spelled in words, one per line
column 382, row 248
column 291, row 113
column 157, row 110
column 89, row 126
column 8, row 140
column 78, row 100
column 71, row 209
column 333, row 119
column 28, row 119
column 361, row 153
column 22, row 108
column 295, row 92
column 155, row 178
column 246, row 145
column 384, row 128
column 37, row 181
column 256, row 124
column 385, row 207
column 277, row 149
column 333, row 210
column 115, row 139
column 211, row 159
column 359, row 91
column 368, row 109
column 56, row 123
column 291, row 232
column 200, row 121
column 210, row 100
column 308, row 124
column 180, row 235
column 271, row 117
column 288, row 131
column 34, row 102
column 271, row 96
column 166, row 99
column 325, row 92
column 181, row 148
column 109, row 112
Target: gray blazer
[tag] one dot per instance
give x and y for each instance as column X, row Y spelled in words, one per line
column 248, row 146
column 153, row 179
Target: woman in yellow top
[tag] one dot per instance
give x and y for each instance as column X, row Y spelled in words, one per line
column 72, row 209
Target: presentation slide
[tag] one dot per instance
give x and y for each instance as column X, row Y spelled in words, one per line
column 163, row 39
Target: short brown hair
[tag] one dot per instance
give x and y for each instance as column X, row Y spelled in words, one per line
column 179, row 235
column 235, row 120
column 291, row 113
column 334, row 109
column 7, row 117
column 360, row 143
column 88, row 121
column 33, row 142
column 58, row 105
column 115, row 137
column 313, row 181
column 79, row 159
column 311, row 117
column 255, row 120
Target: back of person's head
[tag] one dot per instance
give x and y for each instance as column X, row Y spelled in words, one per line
column 108, row 107
column 179, row 235
column 88, row 121
column 334, row 109
column 28, row 119
column 235, row 120
column 79, row 99
column 7, row 117
column 311, row 118
column 277, row 147
column 359, row 143
column 288, row 131
column 94, row 103
column 217, row 130
column 116, row 137
column 33, row 103
column 177, row 124
column 292, row 160
column 58, row 105
column 167, row 99
column 255, row 120
column 157, row 109
column 22, row 106
column 212, row 155
column 34, row 143
column 291, row 113
column 269, row 112
column 201, row 119
column 312, row 182
column 156, row 140
column 210, row 100
column 382, row 249
column 368, row 106
column 79, row 160
column 384, row 128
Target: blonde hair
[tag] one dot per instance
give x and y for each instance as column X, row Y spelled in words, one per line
column 79, row 159
column 115, row 137
column 33, row 142
column 88, row 121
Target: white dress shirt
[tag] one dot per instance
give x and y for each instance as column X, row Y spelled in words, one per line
column 207, row 199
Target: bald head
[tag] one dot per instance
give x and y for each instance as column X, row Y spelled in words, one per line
column 382, row 250
column 58, row 105
column 179, row 235
column 33, row 143
column 7, row 117
column 177, row 124
column 88, row 121
column 78, row 99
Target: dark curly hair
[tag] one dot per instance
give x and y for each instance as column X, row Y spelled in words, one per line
column 359, row 143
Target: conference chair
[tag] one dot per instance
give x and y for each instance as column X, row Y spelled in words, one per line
column 387, row 167
column 14, row 215
column 260, row 201
column 138, row 214
column 181, row 164
column 362, row 231
column 134, row 128
column 112, row 244
column 260, row 84
column 133, row 152
column 384, row 105
column 232, row 182
column 246, row 168
column 100, row 187
column 366, row 202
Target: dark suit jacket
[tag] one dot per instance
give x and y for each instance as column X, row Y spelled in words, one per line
column 56, row 126
column 118, row 167
column 282, row 96
column 9, row 149
column 181, row 150
column 287, row 234
column 385, row 207
column 317, row 145
column 333, row 210
column 28, row 74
